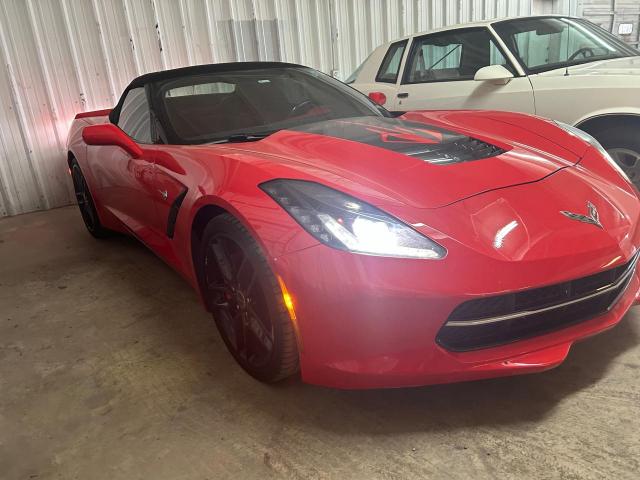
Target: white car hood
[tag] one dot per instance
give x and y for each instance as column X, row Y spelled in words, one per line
column 615, row 66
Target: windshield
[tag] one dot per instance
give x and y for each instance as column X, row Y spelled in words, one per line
column 249, row 104
column 547, row 43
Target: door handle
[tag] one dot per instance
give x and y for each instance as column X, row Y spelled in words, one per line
column 403, row 95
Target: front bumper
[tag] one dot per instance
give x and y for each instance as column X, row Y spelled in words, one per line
column 372, row 322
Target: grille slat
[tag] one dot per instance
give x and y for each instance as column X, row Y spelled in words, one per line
column 478, row 324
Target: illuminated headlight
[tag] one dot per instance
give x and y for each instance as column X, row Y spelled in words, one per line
column 594, row 143
column 344, row 222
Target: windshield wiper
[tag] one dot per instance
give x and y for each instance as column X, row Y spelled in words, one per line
column 243, row 137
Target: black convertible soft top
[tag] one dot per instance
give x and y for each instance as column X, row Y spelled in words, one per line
column 152, row 77
column 201, row 69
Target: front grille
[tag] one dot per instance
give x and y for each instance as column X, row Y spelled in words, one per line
column 491, row 321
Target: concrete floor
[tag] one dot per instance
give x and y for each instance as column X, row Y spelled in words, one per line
column 111, row 369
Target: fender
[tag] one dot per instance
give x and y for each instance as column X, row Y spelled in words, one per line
column 607, row 112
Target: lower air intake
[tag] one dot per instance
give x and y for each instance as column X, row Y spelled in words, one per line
column 491, row 321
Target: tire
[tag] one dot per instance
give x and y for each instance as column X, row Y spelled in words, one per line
column 246, row 301
column 86, row 204
column 623, row 144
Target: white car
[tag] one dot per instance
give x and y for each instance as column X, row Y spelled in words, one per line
column 563, row 68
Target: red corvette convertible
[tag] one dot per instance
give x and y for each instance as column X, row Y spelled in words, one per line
column 362, row 249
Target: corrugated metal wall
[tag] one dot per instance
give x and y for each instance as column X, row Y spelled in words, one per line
column 60, row 57
column 610, row 14
column 545, row 7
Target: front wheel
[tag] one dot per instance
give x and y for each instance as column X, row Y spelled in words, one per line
column 247, row 302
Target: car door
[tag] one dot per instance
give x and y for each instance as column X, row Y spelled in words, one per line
column 381, row 83
column 564, row 60
column 126, row 184
column 439, row 74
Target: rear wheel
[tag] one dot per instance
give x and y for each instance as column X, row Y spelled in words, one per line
column 85, row 203
column 623, row 145
column 246, row 300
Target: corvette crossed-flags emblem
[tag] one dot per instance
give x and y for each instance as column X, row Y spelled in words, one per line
column 592, row 218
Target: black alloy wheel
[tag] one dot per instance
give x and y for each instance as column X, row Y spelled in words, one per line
column 246, row 301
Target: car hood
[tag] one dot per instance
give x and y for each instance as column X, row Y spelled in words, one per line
column 573, row 214
column 616, row 66
column 423, row 159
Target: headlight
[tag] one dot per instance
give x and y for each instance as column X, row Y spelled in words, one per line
column 344, row 222
column 594, row 143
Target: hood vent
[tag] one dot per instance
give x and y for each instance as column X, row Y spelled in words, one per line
column 427, row 142
column 464, row 150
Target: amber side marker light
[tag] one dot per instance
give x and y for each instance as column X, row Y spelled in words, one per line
column 288, row 303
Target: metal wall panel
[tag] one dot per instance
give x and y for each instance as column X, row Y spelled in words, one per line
column 609, row 14
column 60, row 57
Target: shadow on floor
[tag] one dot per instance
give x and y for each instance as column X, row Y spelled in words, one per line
column 175, row 325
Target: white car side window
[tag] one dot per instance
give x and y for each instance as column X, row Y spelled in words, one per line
column 450, row 56
column 388, row 72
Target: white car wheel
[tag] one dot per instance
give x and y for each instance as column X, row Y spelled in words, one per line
column 629, row 161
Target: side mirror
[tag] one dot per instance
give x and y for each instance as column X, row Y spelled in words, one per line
column 495, row 74
column 109, row 134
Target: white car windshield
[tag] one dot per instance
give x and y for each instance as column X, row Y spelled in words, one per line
column 547, row 43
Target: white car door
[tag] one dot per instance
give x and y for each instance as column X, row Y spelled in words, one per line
column 439, row 73
column 574, row 69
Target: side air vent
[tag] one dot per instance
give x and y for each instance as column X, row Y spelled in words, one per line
column 173, row 213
